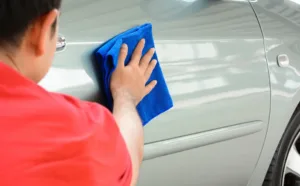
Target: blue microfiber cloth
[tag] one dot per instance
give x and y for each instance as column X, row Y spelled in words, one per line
column 157, row 101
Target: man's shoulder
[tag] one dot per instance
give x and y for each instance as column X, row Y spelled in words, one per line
column 74, row 104
column 43, row 113
column 89, row 112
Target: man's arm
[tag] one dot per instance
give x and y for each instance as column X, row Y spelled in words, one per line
column 128, row 87
column 131, row 129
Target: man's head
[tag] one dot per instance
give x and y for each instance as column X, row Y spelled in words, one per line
column 28, row 35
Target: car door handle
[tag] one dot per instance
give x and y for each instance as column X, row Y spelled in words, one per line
column 61, row 43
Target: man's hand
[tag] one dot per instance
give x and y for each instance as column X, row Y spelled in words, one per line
column 130, row 81
column 128, row 87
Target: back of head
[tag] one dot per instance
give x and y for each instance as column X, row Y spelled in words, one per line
column 28, row 28
column 17, row 15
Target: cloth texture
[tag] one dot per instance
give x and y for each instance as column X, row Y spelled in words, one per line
column 159, row 99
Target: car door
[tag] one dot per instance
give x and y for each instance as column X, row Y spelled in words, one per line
column 213, row 58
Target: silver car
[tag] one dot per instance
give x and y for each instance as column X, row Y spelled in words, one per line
column 233, row 69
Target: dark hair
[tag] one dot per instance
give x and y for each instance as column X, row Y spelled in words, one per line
column 17, row 15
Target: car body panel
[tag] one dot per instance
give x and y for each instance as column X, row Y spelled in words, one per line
column 205, row 76
column 226, row 163
column 212, row 55
column 280, row 23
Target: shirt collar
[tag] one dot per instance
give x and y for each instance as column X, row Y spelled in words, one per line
column 10, row 76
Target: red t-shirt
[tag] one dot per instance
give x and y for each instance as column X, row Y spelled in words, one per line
column 49, row 139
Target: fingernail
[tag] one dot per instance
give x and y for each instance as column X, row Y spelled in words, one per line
column 124, row 45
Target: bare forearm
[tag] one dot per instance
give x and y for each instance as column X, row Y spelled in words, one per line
column 128, row 87
column 131, row 129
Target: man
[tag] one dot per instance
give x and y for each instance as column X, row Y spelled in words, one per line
column 49, row 139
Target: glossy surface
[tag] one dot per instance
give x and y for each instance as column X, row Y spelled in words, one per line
column 167, row 147
column 280, row 21
column 213, row 56
column 203, row 73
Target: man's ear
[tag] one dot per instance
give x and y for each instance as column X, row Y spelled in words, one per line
column 42, row 31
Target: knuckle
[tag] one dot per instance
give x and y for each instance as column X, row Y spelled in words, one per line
column 122, row 54
column 123, row 50
column 152, row 66
column 152, row 51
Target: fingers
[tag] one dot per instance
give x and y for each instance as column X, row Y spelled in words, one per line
column 150, row 87
column 150, row 69
column 122, row 55
column 146, row 59
column 137, row 54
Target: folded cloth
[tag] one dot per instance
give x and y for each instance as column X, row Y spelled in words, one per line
column 159, row 99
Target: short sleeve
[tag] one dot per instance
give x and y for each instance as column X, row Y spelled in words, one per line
column 105, row 159
column 109, row 150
